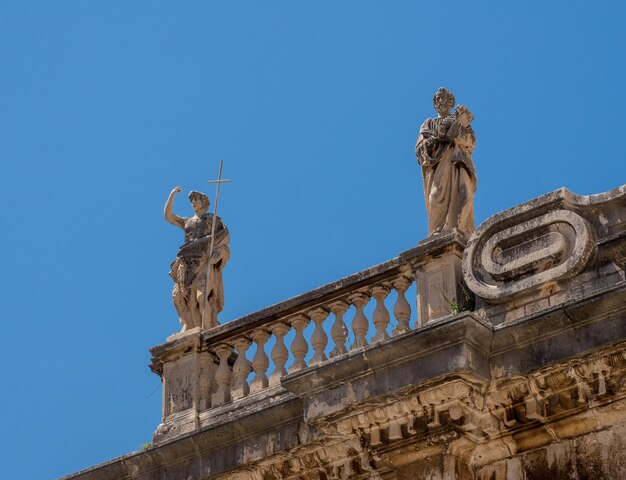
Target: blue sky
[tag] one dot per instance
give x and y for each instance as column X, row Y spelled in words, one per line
column 315, row 109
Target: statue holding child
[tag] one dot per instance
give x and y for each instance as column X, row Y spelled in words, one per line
column 444, row 151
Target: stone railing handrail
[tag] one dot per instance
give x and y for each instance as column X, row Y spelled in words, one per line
column 400, row 265
column 403, row 264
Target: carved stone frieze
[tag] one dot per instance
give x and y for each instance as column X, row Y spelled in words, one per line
column 482, row 411
column 459, row 402
column 341, row 458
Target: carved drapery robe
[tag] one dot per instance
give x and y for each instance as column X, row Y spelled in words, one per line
column 444, row 151
column 189, row 271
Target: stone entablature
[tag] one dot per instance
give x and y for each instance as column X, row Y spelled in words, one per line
column 539, row 364
column 483, row 411
column 477, row 419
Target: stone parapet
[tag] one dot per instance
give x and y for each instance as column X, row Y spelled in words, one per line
column 222, row 350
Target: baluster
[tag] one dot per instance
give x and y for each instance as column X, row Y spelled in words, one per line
column 319, row 339
column 280, row 354
column 205, row 380
column 380, row 318
column 299, row 347
column 260, row 362
column 241, row 369
column 402, row 309
column 339, row 332
column 222, row 375
column 360, row 325
column 419, row 298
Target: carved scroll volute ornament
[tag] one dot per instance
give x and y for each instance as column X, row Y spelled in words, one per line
column 525, row 248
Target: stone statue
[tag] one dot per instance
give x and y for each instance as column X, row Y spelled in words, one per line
column 444, row 151
column 189, row 269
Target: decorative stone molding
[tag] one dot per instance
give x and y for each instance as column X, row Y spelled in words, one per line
column 559, row 390
column 542, row 242
column 483, row 411
column 458, row 400
column 506, row 257
column 337, row 459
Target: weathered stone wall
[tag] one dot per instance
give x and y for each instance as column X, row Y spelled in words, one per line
column 598, row 454
column 586, row 446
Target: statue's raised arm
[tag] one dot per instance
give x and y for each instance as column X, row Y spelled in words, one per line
column 168, row 213
column 444, row 151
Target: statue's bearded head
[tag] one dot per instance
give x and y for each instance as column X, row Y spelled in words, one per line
column 199, row 202
column 443, row 101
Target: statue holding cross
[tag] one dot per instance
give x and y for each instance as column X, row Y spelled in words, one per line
column 198, row 293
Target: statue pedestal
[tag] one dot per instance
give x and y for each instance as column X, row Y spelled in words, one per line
column 439, row 276
column 187, row 374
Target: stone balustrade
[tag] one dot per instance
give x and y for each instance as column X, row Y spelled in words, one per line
column 252, row 354
column 326, row 316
